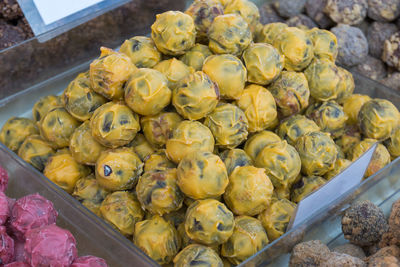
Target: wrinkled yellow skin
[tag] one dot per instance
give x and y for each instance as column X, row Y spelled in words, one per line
column 281, row 163
column 88, row 188
column 202, row 175
column 173, row 32
column 248, row 238
column 64, row 171
column 259, row 107
column 235, row 158
column 325, row 44
column 295, row 127
column 258, row 141
column 276, row 217
column 57, row 127
column 197, row 253
column 80, row 100
column 174, row 70
column 36, row 151
column 158, row 192
column 196, row 55
column 44, row 105
column 380, row 158
column 229, row 125
column 158, row 161
column 310, row 184
column 15, row 131
column 352, row 106
column 147, row 92
column 186, row 241
column 249, row 191
column 122, row 211
column 110, row 72
column 346, row 87
column 84, row 148
column 114, row 124
column 247, row 9
column 296, row 46
column 141, row 147
column 378, row 118
column 228, row 72
column 324, row 79
column 340, row 165
column 195, row 96
column 270, row 32
column 318, row 153
column 393, row 144
column 118, row 169
column 142, row 51
column 291, row 92
column 158, row 128
column 263, row 62
column 157, row 238
column 209, row 222
column 189, row 136
column 229, row 34
column 350, row 137
column 92, row 206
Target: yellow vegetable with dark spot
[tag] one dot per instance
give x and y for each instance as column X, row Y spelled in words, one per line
column 306, row 186
column 235, row 158
column 258, row 141
column 270, row 32
column 141, row 147
column 295, row 127
column 44, row 105
column 15, row 131
column 352, row 106
column 393, row 144
column 247, row 9
column 350, row 137
column 36, row 151
column 88, row 188
column 196, row 55
column 174, row 70
column 325, row 44
column 340, row 165
column 142, row 51
column 195, row 254
column 158, row 161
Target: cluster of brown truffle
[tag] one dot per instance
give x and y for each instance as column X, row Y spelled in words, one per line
column 197, row 142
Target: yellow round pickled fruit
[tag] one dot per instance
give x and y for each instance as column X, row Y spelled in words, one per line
column 196, row 55
column 229, row 125
column 44, row 105
column 306, row 186
column 235, row 158
column 263, row 62
column 295, row 127
column 247, row 10
column 352, row 106
column 158, row 161
column 209, row 222
column 346, row 87
column 270, row 32
column 114, row 124
column 118, row 169
column 378, row 118
column 157, row 238
column 317, row 152
column 36, row 151
column 228, row 72
column 258, row 141
column 203, row 13
column 57, row 127
column 15, row 131
column 147, row 92
column 249, row 191
column 189, row 136
column 350, row 137
column 84, row 148
column 64, row 171
column 290, row 92
column 276, row 217
column 158, row 128
column 329, row 116
column 229, row 34
column 325, row 44
column 380, row 158
column 202, row 175
column 195, row 96
column 174, row 70
column 141, row 147
column 281, row 163
column 80, row 100
column 92, row 206
column 393, row 144
column 158, row 192
column 259, row 107
column 109, row 73
column 198, row 255
column 142, row 51
column 340, row 165
column 324, row 79
column 122, row 211
column 88, row 188
column 173, row 32
column 296, row 46
column 248, row 238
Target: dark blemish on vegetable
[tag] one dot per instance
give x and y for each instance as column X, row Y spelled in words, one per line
column 108, row 122
column 119, row 172
column 135, row 45
column 51, row 122
column 197, row 225
column 107, row 170
column 89, row 96
column 200, row 164
column 220, row 227
column 37, row 115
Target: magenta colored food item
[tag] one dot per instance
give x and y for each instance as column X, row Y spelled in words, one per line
column 19, row 250
column 50, row 245
column 3, row 179
column 89, row 261
column 30, row 212
column 6, row 246
column 4, row 210
column 17, row 264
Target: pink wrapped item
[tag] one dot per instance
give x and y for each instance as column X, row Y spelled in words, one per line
column 3, row 179
column 89, row 261
column 17, row 264
column 50, row 246
column 4, row 209
column 6, row 246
